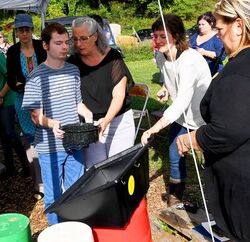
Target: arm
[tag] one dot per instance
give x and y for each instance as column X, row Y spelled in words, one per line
column 207, row 53
column 118, row 96
column 3, row 92
column 40, row 119
column 161, row 124
column 228, row 128
column 187, row 83
column 13, row 68
column 3, row 71
column 85, row 112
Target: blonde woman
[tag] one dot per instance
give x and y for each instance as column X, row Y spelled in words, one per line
column 225, row 139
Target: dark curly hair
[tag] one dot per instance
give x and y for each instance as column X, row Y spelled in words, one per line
column 209, row 17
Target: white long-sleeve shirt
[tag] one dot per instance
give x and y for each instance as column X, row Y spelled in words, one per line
column 193, row 78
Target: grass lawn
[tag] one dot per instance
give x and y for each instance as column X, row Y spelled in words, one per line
column 145, row 71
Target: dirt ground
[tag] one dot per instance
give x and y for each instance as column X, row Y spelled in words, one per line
column 16, row 196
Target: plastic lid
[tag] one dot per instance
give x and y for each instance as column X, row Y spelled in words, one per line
column 13, row 227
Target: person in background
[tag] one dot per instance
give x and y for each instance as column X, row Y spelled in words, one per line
column 225, row 139
column 186, row 80
column 9, row 138
column 52, row 94
column 22, row 58
column 207, row 43
column 105, row 82
column 4, row 45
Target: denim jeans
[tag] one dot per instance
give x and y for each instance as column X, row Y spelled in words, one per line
column 178, row 171
column 59, row 171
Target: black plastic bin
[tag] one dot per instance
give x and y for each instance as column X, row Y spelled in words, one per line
column 109, row 192
column 79, row 135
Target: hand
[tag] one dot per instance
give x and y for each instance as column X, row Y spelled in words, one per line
column 201, row 50
column 145, row 137
column 200, row 158
column 183, row 144
column 102, row 124
column 88, row 116
column 162, row 95
column 57, row 131
column 19, row 83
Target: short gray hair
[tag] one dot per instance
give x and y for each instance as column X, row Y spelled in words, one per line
column 93, row 27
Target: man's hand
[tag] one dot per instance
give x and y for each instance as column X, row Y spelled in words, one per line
column 57, row 131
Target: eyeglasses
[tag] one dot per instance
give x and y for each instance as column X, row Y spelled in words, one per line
column 24, row 29
column 81, row 39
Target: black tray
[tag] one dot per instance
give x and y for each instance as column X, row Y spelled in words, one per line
column 109, row 192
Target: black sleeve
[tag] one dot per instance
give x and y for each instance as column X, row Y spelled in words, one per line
column 229, row 116
column 119, row 70
column 13, row 68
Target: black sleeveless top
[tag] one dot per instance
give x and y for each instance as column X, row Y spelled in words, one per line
column 97, row 82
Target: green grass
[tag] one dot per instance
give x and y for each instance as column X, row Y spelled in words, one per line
column 145, row 71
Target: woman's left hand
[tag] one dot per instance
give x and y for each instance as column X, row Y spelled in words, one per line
column 145, row 137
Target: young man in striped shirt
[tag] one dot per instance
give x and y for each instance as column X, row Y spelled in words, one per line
column 52, row 94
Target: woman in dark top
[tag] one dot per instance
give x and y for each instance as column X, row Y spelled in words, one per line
column 22, row 58
column 225, row 139
column 207, row 43
column 105, row 81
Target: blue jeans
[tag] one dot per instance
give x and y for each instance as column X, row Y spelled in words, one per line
column 59, row 171
column 178, row 171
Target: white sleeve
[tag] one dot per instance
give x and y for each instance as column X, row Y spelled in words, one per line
column 187, row 81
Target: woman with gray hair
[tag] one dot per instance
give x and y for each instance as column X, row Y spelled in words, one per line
column 225, row 139
column 105, row 82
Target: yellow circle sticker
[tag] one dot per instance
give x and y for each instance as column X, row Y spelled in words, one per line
column 131, row 185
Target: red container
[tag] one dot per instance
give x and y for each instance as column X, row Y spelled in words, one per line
column 137, row 230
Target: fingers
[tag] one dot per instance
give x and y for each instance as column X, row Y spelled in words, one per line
column 162, row 95
column 182, row 145
column 145, row 136
column 88, row 119
column 57, row 131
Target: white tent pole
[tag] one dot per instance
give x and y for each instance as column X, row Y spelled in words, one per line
column 43, row 20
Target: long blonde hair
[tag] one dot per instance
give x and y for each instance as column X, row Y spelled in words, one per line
column 230, row 10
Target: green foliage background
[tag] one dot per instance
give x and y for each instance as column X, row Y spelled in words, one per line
column 128, row 13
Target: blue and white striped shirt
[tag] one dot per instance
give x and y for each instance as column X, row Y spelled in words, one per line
column 57, row 92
